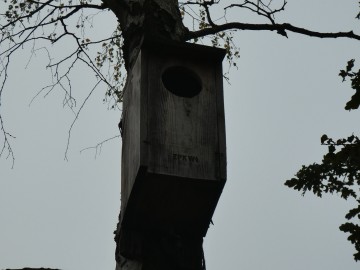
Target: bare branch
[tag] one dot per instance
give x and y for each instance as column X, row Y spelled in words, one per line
column 6, row 146
column 260, row 8
column 76, row 117
column 33, row 21
column 280, row 28
column 98, row 146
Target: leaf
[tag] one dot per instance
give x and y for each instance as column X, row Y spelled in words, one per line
column 350, row 65
column 343, row 74
column 323, row 138
column 353, row 212
column 354, row 236
column 332, row 148
column 351, row 138
column 291, row 183
column 354, row 102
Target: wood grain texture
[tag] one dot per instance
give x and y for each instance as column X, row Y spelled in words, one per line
column 174, row 149
column 182, row 131
column 131, row 132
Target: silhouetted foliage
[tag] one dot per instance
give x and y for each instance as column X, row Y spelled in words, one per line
column 339, row 171
column 348, row 72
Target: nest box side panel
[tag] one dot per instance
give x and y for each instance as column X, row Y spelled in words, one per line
column 131, row 131
column 183, row 131
column 221, row 155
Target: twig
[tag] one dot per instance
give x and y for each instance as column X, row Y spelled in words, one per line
column 99, row 145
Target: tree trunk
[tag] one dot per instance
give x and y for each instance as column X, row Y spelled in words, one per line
column 160, row 19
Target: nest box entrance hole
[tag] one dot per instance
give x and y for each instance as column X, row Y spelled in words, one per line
column 181, row 81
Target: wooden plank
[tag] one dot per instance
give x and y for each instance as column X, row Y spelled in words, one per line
column 182, row 131
column 174, row 152
column 130, row 160
column 221, row 155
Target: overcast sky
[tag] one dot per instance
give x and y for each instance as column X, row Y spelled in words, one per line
column 282, row 98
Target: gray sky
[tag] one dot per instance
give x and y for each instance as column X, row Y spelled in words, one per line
column 284, row 96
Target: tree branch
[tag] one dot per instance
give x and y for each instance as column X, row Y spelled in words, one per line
column 76, row 117
column 259, row 8
column 280, row 28
column 98, row 146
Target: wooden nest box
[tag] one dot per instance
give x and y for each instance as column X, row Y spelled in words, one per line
column 174, row 152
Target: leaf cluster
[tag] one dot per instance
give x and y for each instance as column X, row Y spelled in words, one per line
column 199, row 13
column 338, row 173
column 111, row 56
column 354, row 77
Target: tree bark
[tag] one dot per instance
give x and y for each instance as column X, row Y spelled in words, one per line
column 160, row 19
